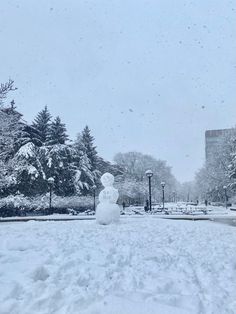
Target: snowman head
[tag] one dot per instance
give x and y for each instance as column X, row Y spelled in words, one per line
column 107, row 179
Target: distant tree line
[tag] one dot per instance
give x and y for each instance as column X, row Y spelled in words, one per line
column 133, row 183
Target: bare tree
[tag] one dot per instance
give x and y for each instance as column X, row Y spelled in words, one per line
column 134, row 178
column 5, row 88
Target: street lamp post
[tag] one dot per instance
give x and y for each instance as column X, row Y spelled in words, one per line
column 216, row 189
column 149, row 174
column 188, row 197
column 226, row 197
column 174, row 196
column 163, row 193
column 50, row 182
column 94, row 196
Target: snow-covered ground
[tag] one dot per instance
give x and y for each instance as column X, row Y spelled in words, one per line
column 141, row 266
column 180, row 209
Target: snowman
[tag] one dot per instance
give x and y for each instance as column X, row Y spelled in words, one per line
column 107, row 210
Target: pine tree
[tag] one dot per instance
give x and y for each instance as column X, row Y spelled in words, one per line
column 29, row 134
column 57, row 133
column 41, row 126
column 84, row 176
column 88, row 153
column 57, row 162
column 14, row 135
column 26, row 171
column 87, row 142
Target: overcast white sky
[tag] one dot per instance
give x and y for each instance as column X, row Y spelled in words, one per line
column 149, row 76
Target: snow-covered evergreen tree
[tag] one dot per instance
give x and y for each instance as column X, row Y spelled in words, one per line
column 84, row 175
column 7, row 182
column 30, row 154
column 41, row 126
column 88, row 157
column 57, row 162
column 57, row 132
column 27, row 172
column 87, row 141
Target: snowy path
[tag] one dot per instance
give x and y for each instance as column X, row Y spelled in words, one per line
column 139, row 266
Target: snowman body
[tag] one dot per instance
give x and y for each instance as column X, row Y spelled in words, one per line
column 107, row 210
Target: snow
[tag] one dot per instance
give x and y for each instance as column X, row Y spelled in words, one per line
column 49, row 163
column 32, row 170
column 26, row 150
column 182, row 209
column 107, row 213
column 138, row 266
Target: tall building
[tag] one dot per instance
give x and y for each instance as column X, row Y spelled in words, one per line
column 213, row 139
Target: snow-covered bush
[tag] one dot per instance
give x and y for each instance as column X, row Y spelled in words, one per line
column 19, row 205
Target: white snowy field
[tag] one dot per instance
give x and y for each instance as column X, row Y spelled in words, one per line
column 141, row 266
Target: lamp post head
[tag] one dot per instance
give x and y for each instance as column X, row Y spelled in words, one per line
column 149, row 173
column 225, row 187
column 163, row 184
column 51, row 181
column 94, row 187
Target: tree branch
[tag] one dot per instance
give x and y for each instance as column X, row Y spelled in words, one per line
column 5, row 88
